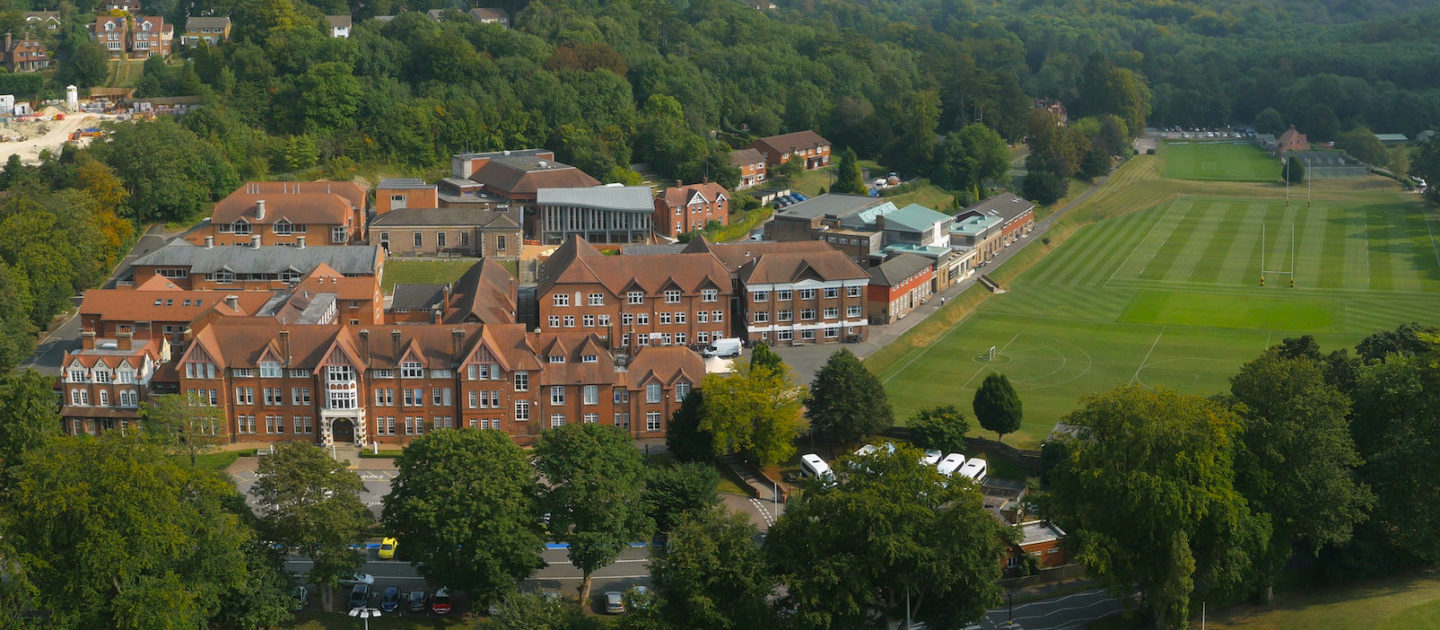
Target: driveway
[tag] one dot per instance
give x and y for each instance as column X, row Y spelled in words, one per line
column 50, row 352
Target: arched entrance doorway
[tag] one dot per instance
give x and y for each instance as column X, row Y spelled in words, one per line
column 342, row 431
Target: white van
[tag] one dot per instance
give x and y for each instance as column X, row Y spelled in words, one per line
column 950, row 464
column 812, row 466
column 724, row 348
column 931, row 458
column 975, row 469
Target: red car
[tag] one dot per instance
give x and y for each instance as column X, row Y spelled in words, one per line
column 440, row 604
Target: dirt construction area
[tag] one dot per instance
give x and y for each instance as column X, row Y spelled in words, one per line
column 28, row 138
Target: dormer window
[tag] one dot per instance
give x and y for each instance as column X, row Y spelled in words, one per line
column 77, row 375
column 270, row 369
column 557, row 358
column 283, row 228
column 589, row 358
column 102, row 376
column 240, row 227
column 412, row 369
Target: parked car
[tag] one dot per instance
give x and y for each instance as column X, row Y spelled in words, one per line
column 301, row 594
column 799, row 196
column 417, row 601
column 360, row 595
column 390, row 601
column 387, row 548
column 357, row 578
column 440, row 604
column 614, row 603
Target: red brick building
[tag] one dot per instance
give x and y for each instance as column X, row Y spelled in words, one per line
column 104, row 383
column 635, row 301
column 360, row 384
column 803, row 297
column 516, row 177
column 25, row 55
column 898, row 286
column 158, row 307
column 752, row 167
column 1042, row 540
column 801, row 145
column 252, row 268
column 133, row 36
column 288, row 213
column 680, row 209
column 394, row 193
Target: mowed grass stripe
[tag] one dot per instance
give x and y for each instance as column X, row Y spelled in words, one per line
column 1098, row 258
column 1053, row 268
column 1212, row 258
column 1400, row 244
column 1357, row 250
column 1277, row 234
column 1333, row 265
column 1070, row 302
column 1242, row 264
column 1182, row 269
column 1134, row 265
column 1381, row 243
column 1313, row 222
column 1368, row 314
column 1088, row 246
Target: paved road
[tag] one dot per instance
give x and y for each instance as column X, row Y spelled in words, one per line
column 65, row 337
column 1068, row 612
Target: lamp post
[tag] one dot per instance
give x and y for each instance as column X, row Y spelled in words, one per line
column 365, row 613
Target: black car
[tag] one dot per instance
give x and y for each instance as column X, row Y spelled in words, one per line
column 360, row 596
column 391, row 601
column 417, row 601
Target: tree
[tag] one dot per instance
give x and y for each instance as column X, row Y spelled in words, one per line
column 685, row 441
column 1362, row 144
column 756, row 411
column 673, row 491
column 86, row 67
column 596, row 482
column 1297, row 462
column 448, row 483
column 535, row 611
column 763, row 356
column 1269, row 121
column 711, row 574
column 179, row 174
column 941, row 427
column 846, row 401
column 311, row 503
column 1320, row 123
column 970, row 157
column 1294, row 170
column 1146, row 491
column 154, row 546
column 28, row 417
column 907, row 537
column 264, row 600
column 997, row 406
column 920, row 117
column 182, row 425
column 848, row 175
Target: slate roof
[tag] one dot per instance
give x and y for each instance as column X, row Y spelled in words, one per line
column 448, row 217
column 898, row 269
column 836, row 205
column 195, row 23
column 742, row 157
column 418, row 297
column 1005, row 206
column 350, row 260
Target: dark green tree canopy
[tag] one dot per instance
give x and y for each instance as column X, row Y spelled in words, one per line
column 997, row 406
column 712, row 574
column 941, row 427
column 847, row 177
column 847, row 403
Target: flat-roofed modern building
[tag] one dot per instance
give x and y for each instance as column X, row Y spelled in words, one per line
column 600, row 215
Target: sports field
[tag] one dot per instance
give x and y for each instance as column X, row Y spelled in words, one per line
column 1171, row 296
column 1219, row 161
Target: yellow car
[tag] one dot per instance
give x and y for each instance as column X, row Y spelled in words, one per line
column 387, row 548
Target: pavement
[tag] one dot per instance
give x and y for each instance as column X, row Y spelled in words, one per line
column 806, row 360
column 50, row 352
column 1074, row 611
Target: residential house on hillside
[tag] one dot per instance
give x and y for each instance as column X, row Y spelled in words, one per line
column 25, row 55
column 603, row 214
column 752, row 167
column 287, row 213
column 680, row 209
column 42, row 21
column 488, row 15
column 133, row 36
column 898, row 286
column 339, row 25
column 128, row 6
column 253, row 268
column 104, row 383
column 801, row 145
column 516, row 177
column 447, row 231
column 211, row 30
column 394, row 193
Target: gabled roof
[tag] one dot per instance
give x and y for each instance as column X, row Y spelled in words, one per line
column 577, row 261
column 338, row 21
column 107, row 353
column 307, row 208
column 522, row 173
column 737, row 255
column 350, row 260
column 668, row 364
column 572, row 346
column 678, row 196
column 351, row 192
column 149, row 303
column 490, row 14
column 787, row 268
column 195, row 23
column 1006, row 206
column 897, row 269
column 241, row 342
column 418, row 297
column 742, row 157
column 797, row 141
column 485, row 294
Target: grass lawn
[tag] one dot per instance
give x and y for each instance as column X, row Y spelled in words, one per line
column 1156, row 283
column 1410, row 602
column 740, row 224
column 216, row 461
column 428, row 271
column 125, row 73
column 1221, row 161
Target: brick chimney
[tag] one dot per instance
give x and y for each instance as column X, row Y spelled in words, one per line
column 365, row 346
column 122, row 341
column 285, row 347
column 435, row 317
column 87, row 340
column 457, row 343
column 395, row 343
